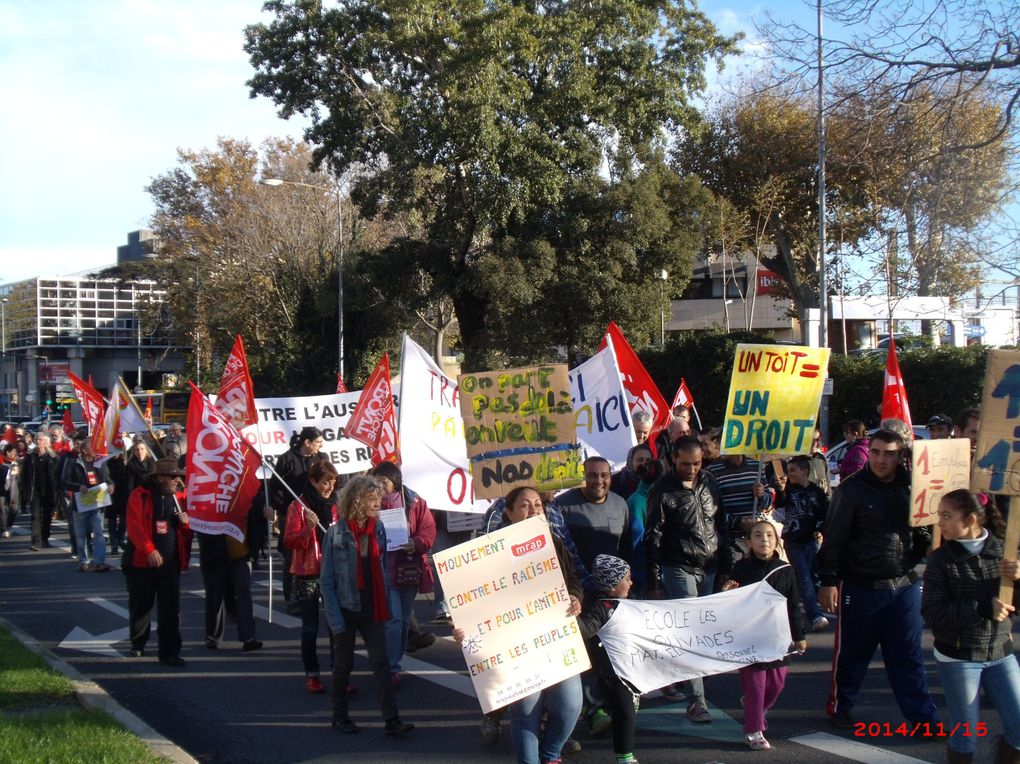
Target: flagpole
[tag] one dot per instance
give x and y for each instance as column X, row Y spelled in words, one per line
column 269, row 524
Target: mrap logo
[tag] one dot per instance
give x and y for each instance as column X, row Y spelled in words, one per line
column 533, row 545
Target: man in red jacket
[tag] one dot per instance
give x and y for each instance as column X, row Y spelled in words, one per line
column 157, row 551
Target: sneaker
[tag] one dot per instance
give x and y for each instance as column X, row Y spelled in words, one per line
column 490, row 728
column 346, row 726
column 314, row 685
column 442, row 618
column 698, row 713
column 821, row 623
column 7, row 534
column 842, row 720
column 251, row 644
column 101, row 568
column 757, row 742
column 84, row 568
column 34, row 548
column 571, row 746
column 600, row 722
column 396, row 727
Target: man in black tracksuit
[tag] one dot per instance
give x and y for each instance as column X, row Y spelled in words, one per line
column 866, row 564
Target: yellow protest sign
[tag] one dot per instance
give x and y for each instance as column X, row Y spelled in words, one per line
column 520, row 430
column 938, row 467
column 997, row 457
column 773, row 401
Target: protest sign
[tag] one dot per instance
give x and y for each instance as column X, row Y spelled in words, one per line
column 601, row 413
column 432, row 436
column 506, row 591
column 281, row 418
column 519, row 427
column 938, row 467
column 653, row 644
column 93, row 498
column 997, row 457
column 395, row 522
column 774, row 395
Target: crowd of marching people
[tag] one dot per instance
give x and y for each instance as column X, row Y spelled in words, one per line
column 678, row 521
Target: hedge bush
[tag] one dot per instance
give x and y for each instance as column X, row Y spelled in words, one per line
column 938, row 379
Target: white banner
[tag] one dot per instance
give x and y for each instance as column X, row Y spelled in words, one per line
column 506, row 591
column 432, row 447
column 600, row 408
column 653, row 644
column 281, row 418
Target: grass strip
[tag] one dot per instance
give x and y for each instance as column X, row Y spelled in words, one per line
column 40, row 720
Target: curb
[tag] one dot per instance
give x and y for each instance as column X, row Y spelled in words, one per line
column 91, row 696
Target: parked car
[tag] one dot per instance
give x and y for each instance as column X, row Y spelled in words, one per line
column 904, row 342
column 837, row 452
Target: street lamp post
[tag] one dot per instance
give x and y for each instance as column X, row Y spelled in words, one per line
column 663, row 276
column 340, row 258
column 3, row 357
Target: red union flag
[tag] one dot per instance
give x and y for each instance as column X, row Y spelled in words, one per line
column 683, row 396
column 894, row 393
column 374, row 422
column 340, row 386
column 92, row 407
column 221, row 469
column 236, row 398
column 642, row 394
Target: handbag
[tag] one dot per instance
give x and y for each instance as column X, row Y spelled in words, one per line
column 407, row 570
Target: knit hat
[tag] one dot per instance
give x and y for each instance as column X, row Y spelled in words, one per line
column 608, row 571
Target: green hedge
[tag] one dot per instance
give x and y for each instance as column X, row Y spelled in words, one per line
column 938, row 380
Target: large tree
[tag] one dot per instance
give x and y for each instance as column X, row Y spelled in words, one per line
column 479, row 117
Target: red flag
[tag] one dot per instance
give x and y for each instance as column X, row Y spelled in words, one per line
column 148, row 411
column 894, row 393
column 373, row 422
column 642, row 394
column 222, row 471
column 9, row 437
column 68, row 422
column 340, row 386
column 92, row 407
column 236, row 396
column 683, row 396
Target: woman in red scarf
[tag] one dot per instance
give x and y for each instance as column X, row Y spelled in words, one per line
column 354, row 591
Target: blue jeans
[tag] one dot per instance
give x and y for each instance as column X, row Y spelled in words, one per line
column 85, row 522
column 802, row 557
column 962, row 682
column 679, row 585
column 563, row 702
column 401, row 603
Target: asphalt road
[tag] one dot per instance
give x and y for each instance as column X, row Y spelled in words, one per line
column 229, row 706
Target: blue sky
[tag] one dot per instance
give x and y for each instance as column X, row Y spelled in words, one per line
column 99, row 94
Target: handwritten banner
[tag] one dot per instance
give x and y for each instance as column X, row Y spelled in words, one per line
column 774, row 395
column 432, row 437
column 997, row 457
column 520, row 430
column 939, row 466
column 653, row 644
column 506, row 591
column 601, row 416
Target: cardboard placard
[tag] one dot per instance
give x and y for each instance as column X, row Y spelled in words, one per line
column 519, row 426
column 997, row 457
column 938, row 467
column 774, row 395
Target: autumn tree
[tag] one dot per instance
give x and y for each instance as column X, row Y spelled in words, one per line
column 481, row 119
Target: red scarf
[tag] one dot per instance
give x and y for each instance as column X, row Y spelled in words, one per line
column 380, row 610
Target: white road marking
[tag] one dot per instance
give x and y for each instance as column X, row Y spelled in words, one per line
column 851, row 749
column 451, row 680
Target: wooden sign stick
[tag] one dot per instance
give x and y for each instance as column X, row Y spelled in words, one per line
column 1009, row 550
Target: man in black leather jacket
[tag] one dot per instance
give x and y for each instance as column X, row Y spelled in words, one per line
column 867, row 566
column 684, row 529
